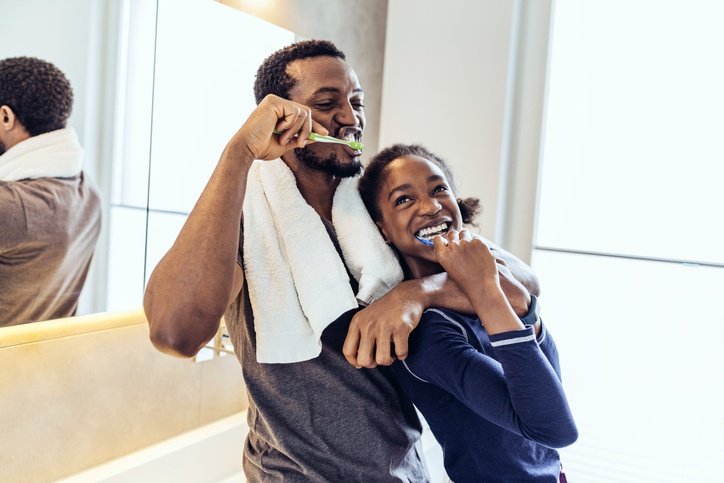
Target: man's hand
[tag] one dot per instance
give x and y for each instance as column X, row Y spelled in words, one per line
column 293, row 122
column 388, row 320
column 514, row 291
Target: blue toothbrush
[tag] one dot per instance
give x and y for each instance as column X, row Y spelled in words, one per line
column 425, row 242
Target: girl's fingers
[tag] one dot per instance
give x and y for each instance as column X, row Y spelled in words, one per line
column 466, row 235
column 453, row 236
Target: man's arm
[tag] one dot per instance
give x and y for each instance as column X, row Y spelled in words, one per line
column 518, row 269
column 379, row 332
column 194, row 283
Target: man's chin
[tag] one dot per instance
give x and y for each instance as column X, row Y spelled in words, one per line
column 330, row 164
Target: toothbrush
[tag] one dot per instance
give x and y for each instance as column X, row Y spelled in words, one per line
column 425, row 242
column 329, row 139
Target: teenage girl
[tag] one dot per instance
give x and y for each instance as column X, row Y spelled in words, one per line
column 489, row 383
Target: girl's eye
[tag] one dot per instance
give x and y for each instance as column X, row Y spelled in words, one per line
column 440, row 188
column 322, row 106
column 401, row 199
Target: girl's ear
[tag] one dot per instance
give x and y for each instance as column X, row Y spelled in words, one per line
column 382, row 232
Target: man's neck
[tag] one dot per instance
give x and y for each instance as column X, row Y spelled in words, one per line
column 317, row 187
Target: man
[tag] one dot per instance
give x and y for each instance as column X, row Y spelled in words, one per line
column 317, row 419
column 50, row 214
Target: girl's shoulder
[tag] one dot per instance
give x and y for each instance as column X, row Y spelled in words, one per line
column 438, row 323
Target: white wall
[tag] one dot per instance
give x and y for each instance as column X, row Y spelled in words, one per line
column 29, row 26
column 451, row 83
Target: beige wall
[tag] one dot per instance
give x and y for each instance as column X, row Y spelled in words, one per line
column 356, row 27
column 79, row 392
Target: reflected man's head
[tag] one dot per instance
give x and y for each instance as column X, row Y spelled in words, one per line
column 35, row 94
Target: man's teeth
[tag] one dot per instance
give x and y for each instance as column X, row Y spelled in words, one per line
column 432, row 231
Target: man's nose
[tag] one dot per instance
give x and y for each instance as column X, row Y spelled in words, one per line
column 347, row 116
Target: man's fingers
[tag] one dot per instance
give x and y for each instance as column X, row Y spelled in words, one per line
column 293, row 124
column 383, row 355
column 366, row 352
column 319, row 129
column 400, row 341
column 351, row 344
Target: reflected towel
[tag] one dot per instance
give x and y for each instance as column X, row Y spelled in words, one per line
column 55, row 154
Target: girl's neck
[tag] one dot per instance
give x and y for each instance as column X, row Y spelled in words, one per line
column 414, row 268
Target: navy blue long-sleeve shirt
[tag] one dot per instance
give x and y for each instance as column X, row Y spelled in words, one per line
column 494, row 403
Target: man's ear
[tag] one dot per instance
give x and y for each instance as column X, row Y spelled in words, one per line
column 7, row 118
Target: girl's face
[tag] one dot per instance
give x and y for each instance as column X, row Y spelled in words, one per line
column 415, row 200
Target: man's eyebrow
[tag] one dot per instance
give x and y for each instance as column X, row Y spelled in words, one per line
column 335, row 90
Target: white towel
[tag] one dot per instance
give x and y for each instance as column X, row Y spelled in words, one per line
column 297, row 282
column 55, row 154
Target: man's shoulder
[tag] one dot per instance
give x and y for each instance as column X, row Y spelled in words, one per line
column 12, row 216
column 11, row 205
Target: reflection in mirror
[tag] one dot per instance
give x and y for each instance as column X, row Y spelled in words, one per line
column 105, row 48
column 49, row 210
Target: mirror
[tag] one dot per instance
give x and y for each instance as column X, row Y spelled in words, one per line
column 204, row 86
column 134, row 88
column 86, row 39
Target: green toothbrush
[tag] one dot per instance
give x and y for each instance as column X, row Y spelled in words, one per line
column 329, row 139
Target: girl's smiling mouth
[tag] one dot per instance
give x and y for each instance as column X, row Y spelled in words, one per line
column 426, row 234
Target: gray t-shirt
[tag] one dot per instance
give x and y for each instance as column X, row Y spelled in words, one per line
column 322, row 420
column 48, row 233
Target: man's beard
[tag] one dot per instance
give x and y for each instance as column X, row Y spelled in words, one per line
column 330, row 164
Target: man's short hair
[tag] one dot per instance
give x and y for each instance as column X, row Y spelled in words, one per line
column 38, row 93
column 272, row 76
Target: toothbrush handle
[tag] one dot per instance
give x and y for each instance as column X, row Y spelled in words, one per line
column 325, row 139
column 313, row 136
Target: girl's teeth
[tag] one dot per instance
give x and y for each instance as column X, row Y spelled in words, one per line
column 432, row 231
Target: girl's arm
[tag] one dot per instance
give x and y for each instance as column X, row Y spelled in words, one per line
column 520, row 391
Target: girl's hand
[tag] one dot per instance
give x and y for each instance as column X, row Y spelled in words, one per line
column 467, row 260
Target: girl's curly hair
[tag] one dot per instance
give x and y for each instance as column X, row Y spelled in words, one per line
column 373, row 177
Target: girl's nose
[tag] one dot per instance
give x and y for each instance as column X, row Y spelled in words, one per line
column 429, row 206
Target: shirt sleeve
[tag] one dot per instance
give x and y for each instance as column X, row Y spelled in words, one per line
column 545, row 340
column 520, row 391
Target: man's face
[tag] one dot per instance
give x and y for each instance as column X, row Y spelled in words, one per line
column 329, row 86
